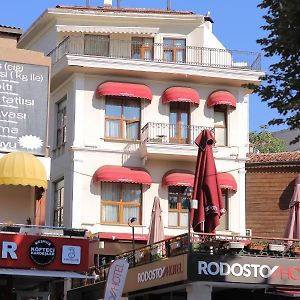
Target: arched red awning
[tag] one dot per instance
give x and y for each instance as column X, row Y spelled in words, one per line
column 178, row 178
column 180, row 94
column 123, row 89
column 227, row 181
column 109, row 173
column 221, row 98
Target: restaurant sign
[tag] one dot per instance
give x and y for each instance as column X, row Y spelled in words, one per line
column 23, row 107
column 264, row 270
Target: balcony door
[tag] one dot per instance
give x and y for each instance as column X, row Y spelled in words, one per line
column 179, row 122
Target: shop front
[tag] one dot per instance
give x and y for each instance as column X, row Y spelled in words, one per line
column 35, row 266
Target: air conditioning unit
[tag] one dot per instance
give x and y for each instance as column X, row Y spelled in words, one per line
column 248, row 232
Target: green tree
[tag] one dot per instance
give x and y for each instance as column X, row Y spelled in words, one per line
column 280, row 86
column 265, row 142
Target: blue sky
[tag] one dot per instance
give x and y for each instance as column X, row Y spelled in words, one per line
column 236, row 24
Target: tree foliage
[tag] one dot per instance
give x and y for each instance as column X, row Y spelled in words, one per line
column 265, row 142
column 280, row 86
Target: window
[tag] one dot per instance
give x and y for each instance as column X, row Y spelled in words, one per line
column 120, row 201
column 122, row 118
column 224, row 218
column 96, row 45
column 178, row 207
column 179, row 122
column 61, row 124
column 142, row 48
column 59, row 203
column 220, row 124
column 174, row 50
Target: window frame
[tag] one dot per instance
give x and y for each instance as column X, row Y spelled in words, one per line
column 61, row 124
column 174, row 48
column 222, row 109
column 179, row 108
column 142, row 46
column 58, row 203
column 122, row 120
column 179, row 208
column 121, row 204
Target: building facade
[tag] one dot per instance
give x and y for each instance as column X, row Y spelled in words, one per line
column 130, row 91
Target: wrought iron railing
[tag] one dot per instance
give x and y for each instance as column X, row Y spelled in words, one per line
column 155, row 52
column 208, row 244
column 164, row 133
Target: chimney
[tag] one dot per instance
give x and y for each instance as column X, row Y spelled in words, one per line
column 107, row 3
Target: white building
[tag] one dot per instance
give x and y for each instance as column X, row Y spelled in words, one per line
column 133, row 88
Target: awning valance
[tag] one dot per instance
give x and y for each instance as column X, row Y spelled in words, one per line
column 180, row 94
column 221, row 98
column 122, row 174
column 123, row 89
column 178, row 178
column 21, row 168
column 108, row 29
column 227, row 181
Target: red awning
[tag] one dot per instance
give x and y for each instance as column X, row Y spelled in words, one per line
column 180, row 94
column 178, row 178
column 221, row 98
column 227, row 181
column 123, row 89
column 122, row 174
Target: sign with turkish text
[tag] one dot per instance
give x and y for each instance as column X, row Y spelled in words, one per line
column 47, row 253
column 23, row 107
column 244, row 269
column 116, row 279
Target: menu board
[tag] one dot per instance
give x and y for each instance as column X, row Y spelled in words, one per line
column 23, row 107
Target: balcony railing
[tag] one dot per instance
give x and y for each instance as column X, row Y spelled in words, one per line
column 205, row 243
column 154, row 52
column 164, row 133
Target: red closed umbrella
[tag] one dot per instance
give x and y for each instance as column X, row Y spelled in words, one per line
column 292, row 230
column 156, row 229
column 206, row 187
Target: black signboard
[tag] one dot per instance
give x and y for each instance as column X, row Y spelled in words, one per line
column 23, row 107
column 42, row 252
column 244, row 269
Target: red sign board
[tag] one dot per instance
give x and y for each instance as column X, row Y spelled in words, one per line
column 43, row 252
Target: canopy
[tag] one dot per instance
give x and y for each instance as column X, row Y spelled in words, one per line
column 122, row 174
column 22, row 168
column 180, row 94
column 227, row 181
column 178, row 178
column 221, row 98
column 123, row 89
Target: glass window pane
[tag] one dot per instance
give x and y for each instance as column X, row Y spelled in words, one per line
column 180, row 56
column 132, row 110
column 219, row 118
column 168, row 55
column 112, row 128
column 173, row 200
column 173, row 219
column 220, row 136
column 132, row 129
column 129, row 212
column 224, row 219
column 113, row 108
column 180, row 43
column 111, row 191
column 110, row 213
column 132, row 193
column 168, row 42
column 183, row 219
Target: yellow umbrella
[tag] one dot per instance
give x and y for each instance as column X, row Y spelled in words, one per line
column 21, row 168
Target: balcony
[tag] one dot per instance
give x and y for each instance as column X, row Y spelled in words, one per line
column 105, row 53
column 160, row 140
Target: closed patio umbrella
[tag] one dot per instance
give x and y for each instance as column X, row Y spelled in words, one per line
column 292, row 230
column 156, row 229
column 206, row 187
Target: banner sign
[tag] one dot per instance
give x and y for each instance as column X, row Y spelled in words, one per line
column 50, row 253
column 116, row 280
column 244, row 269
column 23, row 107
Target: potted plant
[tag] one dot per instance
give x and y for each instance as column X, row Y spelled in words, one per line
column 235, row 245
column 276, row 247
column 10, row 227
column 258, row 245
column 295, row 248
